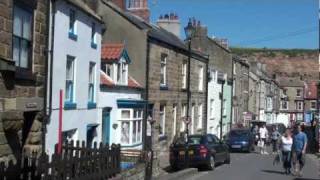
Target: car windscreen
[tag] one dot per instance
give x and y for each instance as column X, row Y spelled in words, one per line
column 193, row 140
column 239, row 133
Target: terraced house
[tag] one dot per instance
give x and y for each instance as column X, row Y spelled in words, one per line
column 23, row 42
column 74, row 76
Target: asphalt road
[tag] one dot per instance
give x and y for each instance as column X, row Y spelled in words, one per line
column 254, row 166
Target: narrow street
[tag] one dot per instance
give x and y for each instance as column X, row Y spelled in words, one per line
column 254, row 166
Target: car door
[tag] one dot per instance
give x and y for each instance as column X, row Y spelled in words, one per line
column 222, row 148
column 214, row 147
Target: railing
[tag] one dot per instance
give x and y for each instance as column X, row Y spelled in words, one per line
column 74, row 163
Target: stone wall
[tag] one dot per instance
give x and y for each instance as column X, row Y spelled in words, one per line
column 21, row 95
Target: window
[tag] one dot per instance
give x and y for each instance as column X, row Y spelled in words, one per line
column 174, row 115
column 72, row 21
column 22, row 37
column 92, row 72
column 224, row 107
column 299, row 117
column 162, row 123
column 122, row 73
column 131, row 126
column 193, row 115
column 211, row 108
column 93, row 36
column 200, row 116
column 298, row 92
column 284, row 105
column 69, row 92
column 313, row 105
column 163, row 70
column 109, row 70
column 183, row 115
column 200, row 78
column 285, row 92
column 184, row 75
column 299, row 105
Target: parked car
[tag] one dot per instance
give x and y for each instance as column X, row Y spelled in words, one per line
column 240, row 140
column 200, row 151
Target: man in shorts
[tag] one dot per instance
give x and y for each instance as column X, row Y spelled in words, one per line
column 300, row 141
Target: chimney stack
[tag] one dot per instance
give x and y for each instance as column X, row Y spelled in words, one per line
column 170, row 22
column 120, row 3
column 139, row 8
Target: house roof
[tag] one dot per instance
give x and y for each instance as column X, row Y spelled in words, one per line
column 84, row 7
column 311, row 90
column 107, row 81
column 111, row 52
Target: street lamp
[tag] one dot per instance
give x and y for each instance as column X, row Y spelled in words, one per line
column 189, row 31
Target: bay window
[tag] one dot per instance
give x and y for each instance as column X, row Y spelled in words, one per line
column 131, row 126
column 22, row 37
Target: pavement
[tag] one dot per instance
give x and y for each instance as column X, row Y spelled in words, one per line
column 253, row 166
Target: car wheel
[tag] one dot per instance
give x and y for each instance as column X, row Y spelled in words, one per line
column 212, row 163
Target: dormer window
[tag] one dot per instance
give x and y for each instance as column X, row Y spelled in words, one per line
column 122, row 73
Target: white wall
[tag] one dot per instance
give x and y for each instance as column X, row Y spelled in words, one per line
column 109, row 99
column 82, row 51
column 214, row 89
column 283, row 118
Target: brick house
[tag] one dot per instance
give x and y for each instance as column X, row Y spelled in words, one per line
column 23, row 43
column 310, row 101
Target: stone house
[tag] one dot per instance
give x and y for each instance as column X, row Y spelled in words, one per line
column 220, row 59
column 23, row 45
column 121, row 107
column 159, row 61
column 310, row 100
column 240, row 89
column 254, row 84
column 292, row 103
column 75, row 64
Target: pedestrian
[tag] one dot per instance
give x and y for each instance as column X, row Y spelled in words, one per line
column 300, row 141
column 286, row 147
column 275, row 135
column 263, row 134
column 255, row 132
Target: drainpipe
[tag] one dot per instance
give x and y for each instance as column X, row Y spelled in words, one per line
column 45, row 116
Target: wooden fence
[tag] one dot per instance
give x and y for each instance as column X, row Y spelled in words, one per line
column 76, row 162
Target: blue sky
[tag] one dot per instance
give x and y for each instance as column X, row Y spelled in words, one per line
column 250, row 23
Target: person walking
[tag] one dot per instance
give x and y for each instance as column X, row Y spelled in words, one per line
column 286, row 147
column 263, row 133
column 275, row 135
column 300, row 141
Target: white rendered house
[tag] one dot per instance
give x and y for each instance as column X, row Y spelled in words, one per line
column 120, row 104
column 75, row 63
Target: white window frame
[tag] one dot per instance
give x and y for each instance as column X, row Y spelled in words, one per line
column 299, row 92
column 73, row 30
column 200, row 85
column 299, row 105
column 162, row 118
column 200, row 117
column 315, row 105
column 174, row 114
column 93, row 33
column 120, row 73
column 282, row 103
column 211, row 109
column 163, row 70
column 183, row 115
column 131, row 121
column 72, row 98
column 184, row 75
column 93, row 83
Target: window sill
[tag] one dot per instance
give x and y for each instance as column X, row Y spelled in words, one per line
column 164, row 87
column 162, row 137
column 73, row 36
column 94, row 45
column 7, row 65
column 70, row 106
column 24, row 74
column 92, row 105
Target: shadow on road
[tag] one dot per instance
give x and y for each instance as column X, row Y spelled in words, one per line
column 273, row 172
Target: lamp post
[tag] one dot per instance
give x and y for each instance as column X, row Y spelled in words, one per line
column 189, row 31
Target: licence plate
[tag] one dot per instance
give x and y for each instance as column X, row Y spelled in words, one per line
column 182, row 153
column 191, row 152
column 236, row 146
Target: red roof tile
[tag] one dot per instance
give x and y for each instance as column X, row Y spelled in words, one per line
column 133, row 83
column 106, row 80
column 311, row 90
column 111, row 52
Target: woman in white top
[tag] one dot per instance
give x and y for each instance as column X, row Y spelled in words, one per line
column 286, row 145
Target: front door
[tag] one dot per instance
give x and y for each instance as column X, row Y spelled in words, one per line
column 106, row 126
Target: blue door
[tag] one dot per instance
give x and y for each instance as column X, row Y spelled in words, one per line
column 106, row 126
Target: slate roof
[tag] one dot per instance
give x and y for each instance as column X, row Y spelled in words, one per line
column 111, row 52
column 290, row 82
column 107, row 81
column 84, row 7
